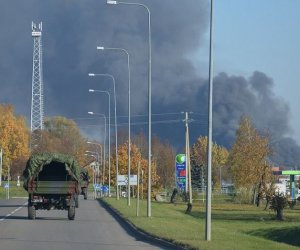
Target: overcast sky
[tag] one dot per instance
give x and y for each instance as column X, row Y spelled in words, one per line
column 256, row 61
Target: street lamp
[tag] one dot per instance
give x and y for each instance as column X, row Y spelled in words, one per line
column 116, row 128
column 149, row 97
column 102, row 115
column 129, row 146
column 93, row 153
column 89, row 153
column 101, row 150
column 96, row 156
column 109, row 156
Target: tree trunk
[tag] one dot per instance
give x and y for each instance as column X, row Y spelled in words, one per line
column 279, row 215
column 254, row 195
column 258, row 200
column 259, row 194
column 268, row 202
column 175, row 191
column 189, row 208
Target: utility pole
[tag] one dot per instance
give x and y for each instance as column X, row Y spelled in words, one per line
column 188, row 163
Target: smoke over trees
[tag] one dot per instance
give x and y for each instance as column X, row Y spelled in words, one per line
column 71, row 32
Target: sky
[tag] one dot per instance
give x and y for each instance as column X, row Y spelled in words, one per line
column 255, row 65
column 261, row 35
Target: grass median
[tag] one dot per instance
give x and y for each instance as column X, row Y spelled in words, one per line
column 234, row 226
column 14, row 190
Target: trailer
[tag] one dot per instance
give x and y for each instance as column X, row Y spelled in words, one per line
column 84, row 182
column 52, row 182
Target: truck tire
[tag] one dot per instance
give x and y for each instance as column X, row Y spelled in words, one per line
column 31, row 212
column 71, row 213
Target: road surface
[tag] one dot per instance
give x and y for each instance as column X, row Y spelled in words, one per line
column 93, row 228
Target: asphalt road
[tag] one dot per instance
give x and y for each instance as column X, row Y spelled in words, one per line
column 93, row 228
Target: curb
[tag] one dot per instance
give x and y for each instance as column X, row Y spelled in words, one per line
column 138, row 233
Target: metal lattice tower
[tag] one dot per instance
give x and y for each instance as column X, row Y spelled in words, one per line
column 37, row 102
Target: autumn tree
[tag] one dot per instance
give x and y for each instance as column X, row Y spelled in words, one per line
column 135, row 158
column 163, row 157
column 164, row 160
column 248, row 160
column 14, row 135
column 199, row 162
column 141, row 142
column 62, row 135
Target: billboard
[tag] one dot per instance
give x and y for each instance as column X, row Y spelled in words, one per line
column 123, row 180
column 180, row 171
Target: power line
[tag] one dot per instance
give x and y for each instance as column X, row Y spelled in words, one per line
column 145, row 123
column 142, row 115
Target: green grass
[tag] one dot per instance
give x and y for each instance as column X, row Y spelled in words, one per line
column 14, row 190
column 234, row 226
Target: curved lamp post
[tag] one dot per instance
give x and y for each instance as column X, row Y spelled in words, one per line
column 98, row 114
column 129, row 143
column 101, row 150
column 95, row 155
column 116, row 127
column 109, row 156
column 110, row 2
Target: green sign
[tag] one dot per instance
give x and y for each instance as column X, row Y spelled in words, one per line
column 180, row 171
column 180, row 158
column 290, row 172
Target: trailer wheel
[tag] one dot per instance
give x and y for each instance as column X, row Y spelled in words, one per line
column 77, row 201
column 85, row 193
column 31, row 212
column 71, row 213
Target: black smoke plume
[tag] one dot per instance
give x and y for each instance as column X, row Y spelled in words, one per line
column 73, row 29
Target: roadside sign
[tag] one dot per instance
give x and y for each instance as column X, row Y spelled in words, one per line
column 180, row 171
column 123, row 180
column 6, row 185
column 97, row 186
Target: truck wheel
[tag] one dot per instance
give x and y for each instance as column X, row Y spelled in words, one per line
column 71, row 213
column 31, row 212
column 85, row 193
column 77, row 201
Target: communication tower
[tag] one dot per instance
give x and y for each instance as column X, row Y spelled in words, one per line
column 37, row 102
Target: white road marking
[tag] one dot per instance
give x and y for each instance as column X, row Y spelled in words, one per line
column 11, row 213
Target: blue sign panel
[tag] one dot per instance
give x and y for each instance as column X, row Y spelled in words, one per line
column 180, row 171
column 97, row 186
column 105, row 189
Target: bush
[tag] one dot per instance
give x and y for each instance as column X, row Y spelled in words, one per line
column 278, row 203
column 243, row 196
column 292, row 203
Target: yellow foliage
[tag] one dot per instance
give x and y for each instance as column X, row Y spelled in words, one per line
column 219, row 157
column 135, row 158
column 248, row 156
column 14, row 136
column 62, row 135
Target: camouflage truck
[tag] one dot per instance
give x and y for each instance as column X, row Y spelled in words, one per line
column 52, row 181
column 84, row 182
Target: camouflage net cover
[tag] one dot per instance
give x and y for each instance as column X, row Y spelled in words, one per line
column 84, row 174
column 36, row 163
